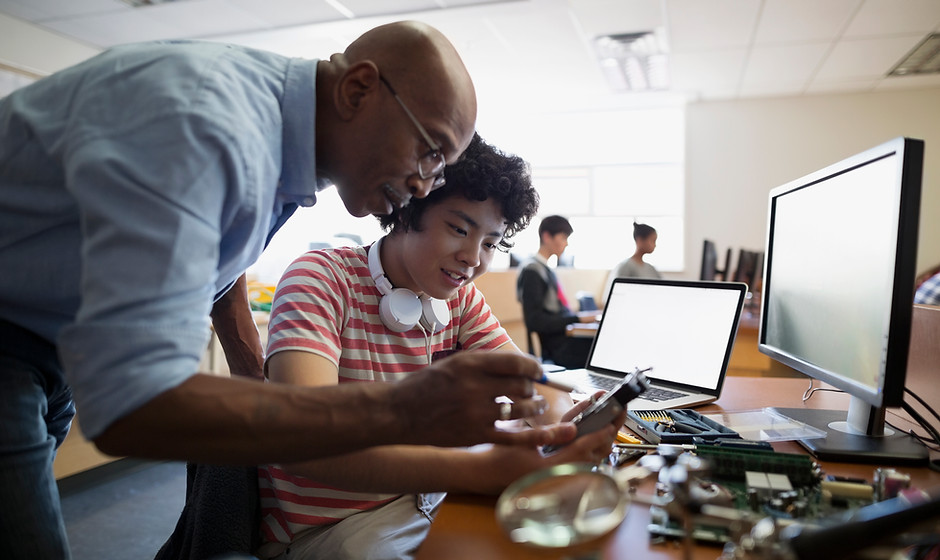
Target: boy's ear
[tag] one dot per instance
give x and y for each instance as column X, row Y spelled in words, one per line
column 358, row 84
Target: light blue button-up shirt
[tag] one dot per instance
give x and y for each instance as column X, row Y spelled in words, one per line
column 136, row 186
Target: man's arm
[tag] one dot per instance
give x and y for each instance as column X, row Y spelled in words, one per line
column 214, row 419
column 413, row 468
column 237, row 332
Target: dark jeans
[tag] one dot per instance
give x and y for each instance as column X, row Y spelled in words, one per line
column 36, row 411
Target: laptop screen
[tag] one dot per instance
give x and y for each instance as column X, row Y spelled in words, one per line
column 683, row 330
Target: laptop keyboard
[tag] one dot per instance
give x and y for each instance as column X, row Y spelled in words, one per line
column 654, row 394
column 658, row 394
column 605, row 383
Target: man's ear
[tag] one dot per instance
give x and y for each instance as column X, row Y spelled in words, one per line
column 357, row 84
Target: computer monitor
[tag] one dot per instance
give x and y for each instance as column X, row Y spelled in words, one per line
column 748, row 269
column 838, row 294
column 710, row 270
column 709, row 260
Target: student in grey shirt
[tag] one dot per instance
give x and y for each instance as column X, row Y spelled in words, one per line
column 644, row 236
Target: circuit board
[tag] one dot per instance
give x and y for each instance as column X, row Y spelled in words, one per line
column 767, row 483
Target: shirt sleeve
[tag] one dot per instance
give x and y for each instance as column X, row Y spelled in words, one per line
column 150, row 250
column 309, row 308
column 479, row 327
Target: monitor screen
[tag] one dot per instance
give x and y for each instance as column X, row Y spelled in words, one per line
column 838, row 283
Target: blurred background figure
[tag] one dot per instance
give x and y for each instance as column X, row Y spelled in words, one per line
column 644, row 237
column 545, row 307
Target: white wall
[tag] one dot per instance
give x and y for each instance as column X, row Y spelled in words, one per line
column 737, row 151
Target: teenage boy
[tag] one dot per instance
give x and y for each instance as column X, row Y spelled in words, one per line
column 545, row 309
column 382, row 313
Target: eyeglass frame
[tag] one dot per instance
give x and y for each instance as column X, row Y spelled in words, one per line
column 438, row 177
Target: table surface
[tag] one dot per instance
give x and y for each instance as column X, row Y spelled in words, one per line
column 466, row 526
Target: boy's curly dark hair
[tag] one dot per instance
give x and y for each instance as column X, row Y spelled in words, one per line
column 482, row 173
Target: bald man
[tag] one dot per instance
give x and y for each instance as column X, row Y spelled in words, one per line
column 137, row 186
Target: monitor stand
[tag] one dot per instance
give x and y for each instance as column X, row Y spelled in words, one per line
column 839, row 446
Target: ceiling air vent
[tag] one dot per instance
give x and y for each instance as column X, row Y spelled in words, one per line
column 924, row 59
column 634, row 61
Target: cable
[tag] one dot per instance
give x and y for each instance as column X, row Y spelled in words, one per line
column 810, row 391
column 927, row 426
column 427, row 342
column 922, row 403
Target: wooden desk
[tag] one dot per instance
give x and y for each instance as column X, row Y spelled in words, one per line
column 466, row 526
column 581, row 330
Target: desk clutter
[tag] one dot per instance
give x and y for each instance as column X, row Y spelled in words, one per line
column 749, row 501
column 676, row 426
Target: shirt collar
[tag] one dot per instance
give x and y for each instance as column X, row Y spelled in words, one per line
column 299, row 183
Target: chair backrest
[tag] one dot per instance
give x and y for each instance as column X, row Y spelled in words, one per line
column 534, row 344
column 586, row 302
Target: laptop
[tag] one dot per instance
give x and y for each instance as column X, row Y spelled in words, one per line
column 684, row 330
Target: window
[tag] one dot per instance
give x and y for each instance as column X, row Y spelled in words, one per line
column 603, row 170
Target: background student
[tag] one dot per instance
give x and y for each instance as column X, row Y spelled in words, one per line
column 137, row 185
column 545, row 308
column 381, row 313
column 644, row 236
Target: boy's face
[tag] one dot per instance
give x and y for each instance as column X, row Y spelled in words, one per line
column 456, row 244
column 557, row 243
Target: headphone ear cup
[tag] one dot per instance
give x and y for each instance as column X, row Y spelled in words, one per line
column 435, row 314
column 400, row 310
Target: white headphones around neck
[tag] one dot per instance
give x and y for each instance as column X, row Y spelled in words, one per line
column 401, row 309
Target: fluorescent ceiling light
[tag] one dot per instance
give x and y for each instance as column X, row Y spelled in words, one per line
column 924, row 59
column 634, row 61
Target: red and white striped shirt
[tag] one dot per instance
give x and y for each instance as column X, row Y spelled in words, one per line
column 327, row 303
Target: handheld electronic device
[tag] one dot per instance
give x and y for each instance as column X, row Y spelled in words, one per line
column 606, row 408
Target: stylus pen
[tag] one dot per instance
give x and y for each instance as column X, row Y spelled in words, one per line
column 558, row 385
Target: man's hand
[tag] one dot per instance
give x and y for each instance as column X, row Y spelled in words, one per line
column 452, row 401
column 497, row 466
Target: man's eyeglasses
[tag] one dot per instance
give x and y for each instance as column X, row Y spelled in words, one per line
column 431, row 164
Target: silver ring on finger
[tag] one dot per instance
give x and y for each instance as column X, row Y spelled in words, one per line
column 505, row 411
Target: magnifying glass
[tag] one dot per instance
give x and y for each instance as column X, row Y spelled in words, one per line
column 561, row 506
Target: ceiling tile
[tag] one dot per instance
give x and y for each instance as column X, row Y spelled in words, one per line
column 715, row 70
column 42, row 10
column 789, row 21
column 279, row 13
column 696, row 26
column 865, row 58
column 784, row 64
column 607, row 17
column 114, row 28
column 198, row 19
column 366, row 8
column 885, row 17
column 538, row 52
column 843, row 86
